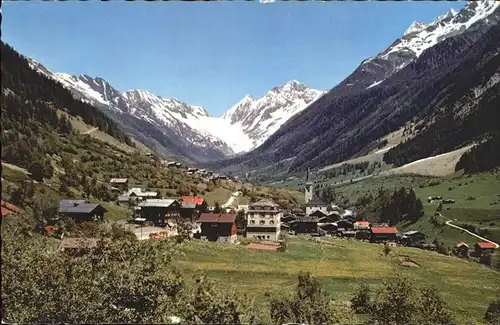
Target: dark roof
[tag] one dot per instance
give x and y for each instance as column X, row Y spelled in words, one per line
column 71, row 203
column 264, row 202
column 318, row 213
column 316, row 202
column 81, row 208
column 217, row 217
column 307, row 219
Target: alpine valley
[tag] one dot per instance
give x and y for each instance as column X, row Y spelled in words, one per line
column 173, row 128
column 438, row 85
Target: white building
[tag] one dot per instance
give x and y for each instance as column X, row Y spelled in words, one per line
column 316, row 204
column 264, row 220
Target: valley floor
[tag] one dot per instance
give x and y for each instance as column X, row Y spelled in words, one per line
column 340, row 265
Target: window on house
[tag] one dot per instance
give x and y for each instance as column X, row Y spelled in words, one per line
column 252, row 222
column 271, row 222
column 262, row 222
column 268, row 237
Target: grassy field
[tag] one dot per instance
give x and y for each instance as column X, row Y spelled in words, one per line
column 220, row 195
column 340, row 265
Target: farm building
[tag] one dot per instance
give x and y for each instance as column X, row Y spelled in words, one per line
column 218, row 227
column 383, row 234
column 81, row 210
column 361, row 225
column 484, row 248
column 119, row 183
column 307, row 225
column 413, row 237
column 160, row 211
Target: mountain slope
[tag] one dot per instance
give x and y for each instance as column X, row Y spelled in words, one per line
column 385, row 93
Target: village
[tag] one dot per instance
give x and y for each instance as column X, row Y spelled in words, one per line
column 265, row 223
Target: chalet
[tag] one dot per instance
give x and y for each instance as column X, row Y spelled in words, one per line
column 120, row 183
column 198, row 201
column 171, row 164
column 161, row 211
column 307, row 225
column 413, row 237
column 192, row 170
column 9, row 208
column 462, row 249
column 318, row 214
column 316, row 204
column 345, row 224
column 361, row 225
column 218, row 227
column 136, row 195
column 332, row 217
column 81, row 210
column 484, row 248
column 264, row 220
column 329, row 228
column 189, row 211
column 448, row 201
column 383, row 234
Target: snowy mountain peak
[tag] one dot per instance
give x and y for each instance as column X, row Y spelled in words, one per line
column 416, row 26
column 259, row 118
column 419, row 36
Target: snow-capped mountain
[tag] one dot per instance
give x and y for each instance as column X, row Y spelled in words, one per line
column 403, row 83
column 190, row 128
column 418, row 38
column 258, row 118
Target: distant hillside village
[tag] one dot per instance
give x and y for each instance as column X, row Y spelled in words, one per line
column 264, row 223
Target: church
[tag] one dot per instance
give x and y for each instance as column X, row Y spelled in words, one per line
column 313, row 203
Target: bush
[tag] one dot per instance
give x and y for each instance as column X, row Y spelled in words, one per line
column 361, row 301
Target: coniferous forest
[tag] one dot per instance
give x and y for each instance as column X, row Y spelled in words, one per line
column 42, row 96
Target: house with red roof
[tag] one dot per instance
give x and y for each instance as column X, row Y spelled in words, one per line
column 484, row 248
column 219, row 227
column 9, row 208
column 198, row 200
column 383, row 234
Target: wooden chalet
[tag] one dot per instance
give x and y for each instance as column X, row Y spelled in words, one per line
column 81, row 210
column 191, row 207
column 413, row 237
column 218, row 227
column 484, row 248
column 307, row 225
column 160, row 211
column 362, row 225
column 345, row 224
column 462, row 249
column 383, row 234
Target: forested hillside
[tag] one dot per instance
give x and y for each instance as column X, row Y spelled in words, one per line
column 41, row 95
column 468, row 108
column 481, row 158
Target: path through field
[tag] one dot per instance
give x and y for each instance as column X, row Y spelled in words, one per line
column 231, row 199
column 448, row 223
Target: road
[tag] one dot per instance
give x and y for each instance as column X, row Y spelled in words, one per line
column 231, row 199
column 448, row 223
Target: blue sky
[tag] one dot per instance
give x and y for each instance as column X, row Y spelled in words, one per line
column 209, row 54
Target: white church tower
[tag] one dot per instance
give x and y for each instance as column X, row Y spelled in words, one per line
column 308, row 188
